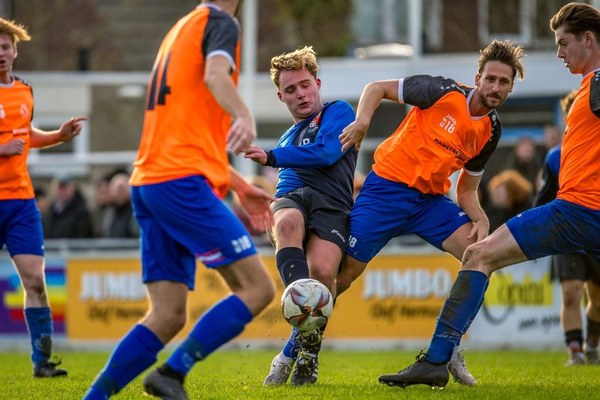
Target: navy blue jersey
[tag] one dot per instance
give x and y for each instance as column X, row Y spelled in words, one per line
column 310, row 154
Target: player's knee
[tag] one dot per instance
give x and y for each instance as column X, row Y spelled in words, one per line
column 172, row 316
column 34, row 285
column 288, row 223
column 474, row 257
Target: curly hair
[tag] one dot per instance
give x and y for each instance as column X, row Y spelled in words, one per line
column 303, row 57
column 16, row 31
column 505, row 52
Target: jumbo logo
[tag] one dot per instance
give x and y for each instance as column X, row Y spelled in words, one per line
column 417, row 283
column 104, row 286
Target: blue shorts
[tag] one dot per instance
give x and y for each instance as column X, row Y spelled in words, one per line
column 21, row 227
column 385, row 209
column 557, row 227
column 182, row 220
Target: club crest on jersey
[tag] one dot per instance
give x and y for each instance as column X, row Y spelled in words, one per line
column 2, row 112
column 24, row 111
column 315, row 121
column 448, row 123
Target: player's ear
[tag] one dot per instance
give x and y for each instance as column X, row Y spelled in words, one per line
column 318, row 82
column 477, row 80
column 280, row 95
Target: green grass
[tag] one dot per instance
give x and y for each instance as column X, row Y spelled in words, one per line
column 231, row 374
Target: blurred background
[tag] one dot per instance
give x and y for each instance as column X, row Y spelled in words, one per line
column 93, row 58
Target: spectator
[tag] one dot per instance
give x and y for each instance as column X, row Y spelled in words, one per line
column 42, row 200
column 552, row 137
column 69, row 215
column 118, row 221
column 525, row 159
column 509, row 193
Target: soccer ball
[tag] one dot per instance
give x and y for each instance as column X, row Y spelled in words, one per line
column 307, row 304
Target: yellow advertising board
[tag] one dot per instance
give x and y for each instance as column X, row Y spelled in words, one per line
column 398, row 296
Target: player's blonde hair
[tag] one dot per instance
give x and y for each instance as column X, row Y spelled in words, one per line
column 505, row 52
column 16, row 31
column 303, row 57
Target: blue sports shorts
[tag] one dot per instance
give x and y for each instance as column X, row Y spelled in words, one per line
column 21, row 227
column 182, row 220
column 385, row 209
column 557, row 227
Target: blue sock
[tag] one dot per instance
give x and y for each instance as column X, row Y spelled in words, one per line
column 458, row 312
column 292, row 347
column 292, row 265
column 133, row 355
column 217, row 326
column 39, row 323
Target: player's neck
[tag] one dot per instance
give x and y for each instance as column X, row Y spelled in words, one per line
column 6, row 78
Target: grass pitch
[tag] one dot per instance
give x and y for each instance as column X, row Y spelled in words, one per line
column 233, row 374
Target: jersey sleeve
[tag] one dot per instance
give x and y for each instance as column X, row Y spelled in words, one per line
column 220, row 37
column 327, row 148
column 424, row 91
column 477, row 164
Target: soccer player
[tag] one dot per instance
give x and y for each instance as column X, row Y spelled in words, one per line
column 20, row 220
column 569, row 223
column 314, row 196
column 181, row 173
column 451, row 127
column 573, row 271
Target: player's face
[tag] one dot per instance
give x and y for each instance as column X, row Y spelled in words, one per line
column 8, row 52
column 299, row 90
column 494, row 83
column 573, row 52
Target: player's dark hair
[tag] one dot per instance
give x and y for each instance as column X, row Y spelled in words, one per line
column 505, row 52
column 577, row 18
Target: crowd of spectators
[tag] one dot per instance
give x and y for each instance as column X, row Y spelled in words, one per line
column 68, row 214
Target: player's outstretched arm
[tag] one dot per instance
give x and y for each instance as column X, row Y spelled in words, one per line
column 369, row 100
column 67, row 131
column 256, row 154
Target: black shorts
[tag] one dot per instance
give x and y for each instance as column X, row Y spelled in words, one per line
column 323, row 215
column 579, row 266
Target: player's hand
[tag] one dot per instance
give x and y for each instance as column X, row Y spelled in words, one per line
column 353, row 134
column 255, row 202
column 14, row 147
column 256, row 154
column 71, row 128
column 480, row 229
column 241, row 134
